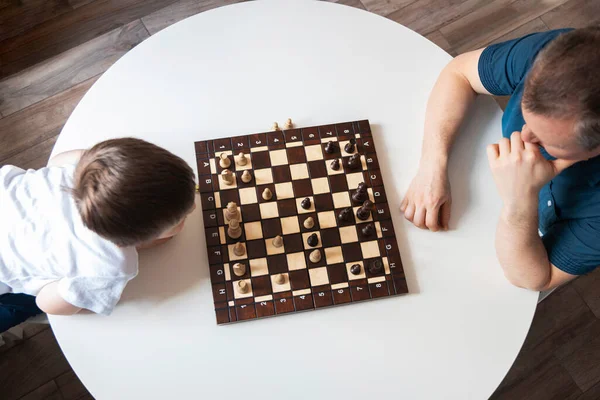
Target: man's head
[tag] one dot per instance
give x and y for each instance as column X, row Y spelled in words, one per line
column 561, row 99
column 131, row 192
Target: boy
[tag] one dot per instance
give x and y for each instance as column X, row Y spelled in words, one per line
column 69, row 233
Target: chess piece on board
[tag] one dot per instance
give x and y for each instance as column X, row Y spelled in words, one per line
column 376, row 266
column 288, row 124
column 227, row 177
column 235, row 230
column 242, row 287
column 368, row 230
column 309, row 223
column 312, row 240
column 246, row 176
column 239, row 269
column 355, row 269
column 335, row 165
column 277, row 241
column 345, row 215
column 364, row 212
column 349, row 147
column 224, row 161
column 306, row 203
column 330, row 148
column 267, row 194
column 275, row 126
column 354, row 161
column 239, row 249
column 279, row 279
column 242, row 159
column 232, row 212
column 315, row 256
column 361, row 194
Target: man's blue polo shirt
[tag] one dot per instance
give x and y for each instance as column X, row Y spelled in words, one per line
column 569, row 205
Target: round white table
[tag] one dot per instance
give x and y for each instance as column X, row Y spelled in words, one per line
column 234, row 71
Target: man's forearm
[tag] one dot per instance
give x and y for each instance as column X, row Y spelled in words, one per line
column 519, row 247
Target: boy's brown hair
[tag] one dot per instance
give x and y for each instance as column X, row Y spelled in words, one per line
column 130, row 191
column 564, row 82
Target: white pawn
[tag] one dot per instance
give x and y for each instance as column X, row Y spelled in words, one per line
column 224, row 161
column 242, row 159
column 246, row 176
column 227, row 177
column 288, row 124
column 275, row 126
column 267, row 194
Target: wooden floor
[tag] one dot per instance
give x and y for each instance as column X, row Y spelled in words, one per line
column 52, row 51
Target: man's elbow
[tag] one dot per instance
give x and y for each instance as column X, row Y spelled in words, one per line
column 519, row 282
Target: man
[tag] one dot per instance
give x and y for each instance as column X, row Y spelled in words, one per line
column 547, row 165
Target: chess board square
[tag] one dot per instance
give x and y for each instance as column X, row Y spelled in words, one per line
column 284, row 190
column 354, row 179
column 229, row 274
column 330, row 237
column 352, row 252
column 305, row 238
column 323, row 202
column 261, row 285
column 317, row 169
column 341, row 200
column 232, row 256
column 242, row 184
column 338, row 183
column 360, row 221
column 331, row 171
column 248, row 158
column 272, row 250
column 301, row 210
column 362, row 274
column 299, row 279
column 334, row 255
column 259, row 267
column 250, row 212
column 269, row 210
column 260, row 191
column 318, row 276
column 293, row 243
column 218, row 200
column 253, row 230
column 225, row 186
column 313, row 152
column 278, row 157
column 298, row 171
column 230, row 196
column 263, row 176
column 271, row 228
column 287, row 207
column 284, row 287
column 337, row 273
column 304, row 217
column 277, row 264
column 239, row 295
column 289, row 225
column 302, row 188
column 335, row 146
column 247, row 195
column 362, row 237
column 256, row 248
column 296, row 155
column 370, row 249
column 281, row 174
column 343, row 144
column 327, row 219
column 351, row 220
column 296, row 261
column 320, row 185
column 311, row 264
column 348, row 234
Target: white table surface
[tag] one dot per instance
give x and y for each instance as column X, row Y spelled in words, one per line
column 234, row 71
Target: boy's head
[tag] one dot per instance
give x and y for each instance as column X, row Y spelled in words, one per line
column 130, row 191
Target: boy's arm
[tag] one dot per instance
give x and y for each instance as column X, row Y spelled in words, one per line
column 67, row 157
column 450, row 99
column 50, row 302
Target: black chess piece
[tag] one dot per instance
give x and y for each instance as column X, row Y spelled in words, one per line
column 335, row 165
column 330, row 148
column 349, row 147
column 354, row 161
column 355, row 269
column 312, row 240
column 345, row 215
column 368, row 230
column 361, row 193
column 305, row 203
column 364, row 212
column 376, row 266
column 352, row 140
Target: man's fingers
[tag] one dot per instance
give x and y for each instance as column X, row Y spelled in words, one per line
column 445, row 215
column 493, row 152
column 504, row 146
column 409, row 213
column 432, row 219
column 561, row 165
column 531, row 146
column 516, row 143
column 419, row 219
column 404, row 204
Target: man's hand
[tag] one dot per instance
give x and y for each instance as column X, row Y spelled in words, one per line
column 428, row 200
column 520, row 170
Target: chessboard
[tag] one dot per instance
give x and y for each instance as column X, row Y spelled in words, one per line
column 296, row 220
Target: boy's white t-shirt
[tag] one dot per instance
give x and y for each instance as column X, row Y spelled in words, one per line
column 43, row 239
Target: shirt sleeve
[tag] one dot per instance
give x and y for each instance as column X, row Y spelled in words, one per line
column 573, row 246
column 97, row 294
column 503, row 66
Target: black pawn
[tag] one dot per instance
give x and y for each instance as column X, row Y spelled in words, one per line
column 305, row 203
column 345, row 214
column 329, row 148
column 335, row 165
column 349, row 147
column 352, row 140
column 368, row 230
column 376, row 267
column 355, row 269
column 361, row 193
column 312, row 240
column 364, row 212
column 354, row 161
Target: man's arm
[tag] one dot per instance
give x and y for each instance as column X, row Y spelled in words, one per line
column 450, row 99
column 67, row 157
column 50, row 302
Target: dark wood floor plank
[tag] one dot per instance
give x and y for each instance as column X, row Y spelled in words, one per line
column 574, row 14
column 587, row 287
column 535, row 25
column 69, row 68
column 69, row 30
column 79, row 3
column 27, row 367
column 351, row 3
column 71, row 387
column 29, row 13
column 179, row 10
column 34, row 157
column 592, row 393
column 484, row 25
column 39, row 122
column 48, row 391
column 385, row 7
column 584, row 363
